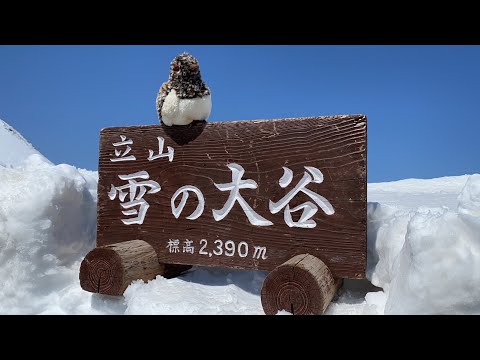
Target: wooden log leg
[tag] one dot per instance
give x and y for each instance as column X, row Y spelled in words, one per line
column 302, row 286
column 110, row 269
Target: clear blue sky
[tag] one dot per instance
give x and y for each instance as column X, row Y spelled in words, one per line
column 422, row 102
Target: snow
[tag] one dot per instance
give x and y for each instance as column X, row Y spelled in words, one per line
column 423, row 249
column 429, row 257
column 47, row 220
column 426, row 258
column 15, row 148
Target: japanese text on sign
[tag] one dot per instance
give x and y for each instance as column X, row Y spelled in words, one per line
column 139, row 184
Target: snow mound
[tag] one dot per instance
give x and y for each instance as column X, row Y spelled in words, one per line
column 15, row 148
column 47, row 223
column 202, row 291
column 412, row 193
column 428, row 259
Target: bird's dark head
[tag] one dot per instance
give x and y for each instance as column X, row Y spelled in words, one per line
column 184, row 66
column 185, row 77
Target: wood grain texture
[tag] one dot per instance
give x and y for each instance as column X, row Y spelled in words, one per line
column 336, row 145
column 110, row 269
column 302, row 285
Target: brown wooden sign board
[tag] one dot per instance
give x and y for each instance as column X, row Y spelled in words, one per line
column 243, row 194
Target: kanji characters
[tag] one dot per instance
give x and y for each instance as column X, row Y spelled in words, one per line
column 312, row 175
column 173, row 246
column 137, row 189
column 169, row 154
column 119, row 156
column 188, row 247
column 234, row 187
column 135, row 198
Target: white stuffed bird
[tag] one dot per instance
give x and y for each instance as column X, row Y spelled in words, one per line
column 184, row 97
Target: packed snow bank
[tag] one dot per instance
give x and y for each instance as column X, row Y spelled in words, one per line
column 47, row 222
column 412, row 193
column 15, row 148
column 428, row 259
column 201, row 291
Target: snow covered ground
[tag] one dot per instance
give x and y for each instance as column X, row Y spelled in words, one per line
column 423, row 243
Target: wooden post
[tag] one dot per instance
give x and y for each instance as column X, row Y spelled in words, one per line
column 302, row 286
column 110, row 269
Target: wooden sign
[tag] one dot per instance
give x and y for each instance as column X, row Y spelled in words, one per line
column 244, row 194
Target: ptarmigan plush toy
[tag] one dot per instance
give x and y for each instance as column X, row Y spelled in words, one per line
column 184, row 97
